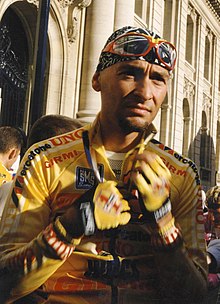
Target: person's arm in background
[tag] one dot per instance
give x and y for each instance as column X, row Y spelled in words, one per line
column 177, row 239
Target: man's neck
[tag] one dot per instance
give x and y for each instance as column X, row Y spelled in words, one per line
column 117, row 141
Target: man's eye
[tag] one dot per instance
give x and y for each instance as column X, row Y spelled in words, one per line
column 134, row 73
column 158, row 79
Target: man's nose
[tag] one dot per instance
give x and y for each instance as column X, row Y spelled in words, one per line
column 144, row 89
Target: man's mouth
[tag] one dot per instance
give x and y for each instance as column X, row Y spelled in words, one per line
column 138, row 109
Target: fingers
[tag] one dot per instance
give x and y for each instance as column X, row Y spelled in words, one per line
column 125, row 206
column 155, row 174
column 157, row 186
column 152, row 179
column 124, row 218
column 159, row 167
column 141, row 183
column 154, row 162
column 110, row 209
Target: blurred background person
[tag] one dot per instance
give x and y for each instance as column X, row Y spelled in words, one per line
column 11, row 144
column 51, row 125
column 212, row 229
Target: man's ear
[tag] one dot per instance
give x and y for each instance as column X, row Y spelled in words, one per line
column 96, row 82
column 13, row 153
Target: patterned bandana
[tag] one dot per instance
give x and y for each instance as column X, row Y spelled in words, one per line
column 108, row 59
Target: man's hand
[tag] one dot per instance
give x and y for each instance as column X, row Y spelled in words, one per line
column 110, row 209
column 102, row 204
column 152, row 179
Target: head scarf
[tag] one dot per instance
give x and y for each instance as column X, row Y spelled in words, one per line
column 108, row 59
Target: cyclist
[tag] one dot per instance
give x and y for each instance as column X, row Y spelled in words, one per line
column 106, row 213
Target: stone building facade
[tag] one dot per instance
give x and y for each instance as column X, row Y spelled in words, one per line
column 189, row 119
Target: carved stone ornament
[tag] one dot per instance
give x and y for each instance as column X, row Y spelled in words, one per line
column 84, row 3
column 35, row 2
column 189, row 89
column 74, row 7
column 74, row 17
column 65, row 3
column 72, row 29
column 206, row 102
column 192, row 12
column 79, row 3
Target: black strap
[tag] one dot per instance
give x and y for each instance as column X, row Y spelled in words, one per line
column 91, row 160
column 85, row 138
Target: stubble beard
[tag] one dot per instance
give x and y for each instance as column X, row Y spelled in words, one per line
column 128, row 126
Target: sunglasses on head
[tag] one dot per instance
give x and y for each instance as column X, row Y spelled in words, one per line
column 134, row 44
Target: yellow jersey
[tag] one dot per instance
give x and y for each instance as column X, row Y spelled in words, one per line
column 51, row 176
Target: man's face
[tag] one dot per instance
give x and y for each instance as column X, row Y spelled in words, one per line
column 132, row 93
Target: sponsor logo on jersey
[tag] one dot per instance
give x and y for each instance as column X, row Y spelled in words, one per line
column 32, row 154
column 180, row 158
column 67, row 138
column 85, row 177
column 60, row 158
column 57, row 141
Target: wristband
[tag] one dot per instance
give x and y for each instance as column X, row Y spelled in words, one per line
column 167, row 242
column 62, row 249
column 163, row 210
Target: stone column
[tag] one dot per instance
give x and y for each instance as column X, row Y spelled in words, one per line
column 99, row 25
column 124, row 13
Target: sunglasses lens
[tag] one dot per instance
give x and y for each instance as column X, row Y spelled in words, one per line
column 167, row 53
column 131, row 45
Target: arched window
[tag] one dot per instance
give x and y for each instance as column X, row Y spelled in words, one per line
column 203, row 141
column 205, row 151
column 189, row 39
column 209, row 55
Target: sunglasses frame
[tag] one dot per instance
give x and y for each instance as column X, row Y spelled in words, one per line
column 153, row 42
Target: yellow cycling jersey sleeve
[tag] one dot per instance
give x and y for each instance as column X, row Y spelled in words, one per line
column 5, row 175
